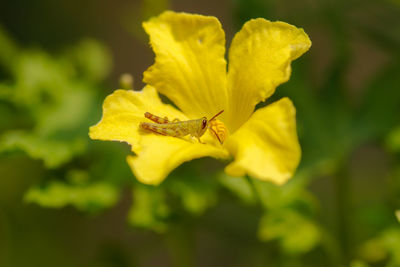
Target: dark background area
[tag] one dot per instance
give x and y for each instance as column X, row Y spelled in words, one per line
column 338, row 210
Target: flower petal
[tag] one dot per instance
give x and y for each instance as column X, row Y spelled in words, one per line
column 259, row 60
column 161, row 154
column 123, row 110
column 156, row 155
column 190, row 68
column 266, row 146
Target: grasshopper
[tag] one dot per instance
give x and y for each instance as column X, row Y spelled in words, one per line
column 178, row 128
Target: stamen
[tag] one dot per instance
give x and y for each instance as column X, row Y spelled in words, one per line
column 219, row 129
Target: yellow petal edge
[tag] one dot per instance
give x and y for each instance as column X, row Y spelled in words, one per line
column 266, row 146
column 162, row 154
column 123, row 110
column 190, row 67
column 259, row 61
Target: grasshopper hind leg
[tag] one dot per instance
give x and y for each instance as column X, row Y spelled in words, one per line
column 151, row 128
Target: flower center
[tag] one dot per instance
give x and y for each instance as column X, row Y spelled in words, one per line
column 219, row 129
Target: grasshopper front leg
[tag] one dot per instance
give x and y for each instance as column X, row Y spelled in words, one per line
column 198, row 138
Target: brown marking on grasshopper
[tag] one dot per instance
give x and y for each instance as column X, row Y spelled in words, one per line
column 178, row 128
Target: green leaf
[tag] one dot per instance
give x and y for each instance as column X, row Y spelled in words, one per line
column 196, row 193
column 393, row 140
column 52, row 152
column 60, row 131
column 292, row 194
column 149, row 209
column 58, row 98
column 70, row 116
column 240, row 186
column 385, row 246
column 391, row 241
column 295, row 233
column 373, row 250
column 91, row 59
column 91, row 197
column 358, row 263
column 39, row 80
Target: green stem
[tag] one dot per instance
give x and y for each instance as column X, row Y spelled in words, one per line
column 256, row 193
column 342, row 184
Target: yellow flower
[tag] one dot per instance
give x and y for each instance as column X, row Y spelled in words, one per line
column 191, row 70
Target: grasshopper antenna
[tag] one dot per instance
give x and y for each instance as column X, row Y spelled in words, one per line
column 216, row 135
column 216, row 115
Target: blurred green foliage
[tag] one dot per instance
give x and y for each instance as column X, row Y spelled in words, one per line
column 340, row 209
column 87, row 198
column 47, row 103
column 142, row 11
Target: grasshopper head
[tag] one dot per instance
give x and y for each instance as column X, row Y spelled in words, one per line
column 202, row 127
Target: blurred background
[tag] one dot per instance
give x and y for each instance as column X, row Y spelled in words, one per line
column 68, row 201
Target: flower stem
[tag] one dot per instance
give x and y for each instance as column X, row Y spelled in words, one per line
column 342, row 185
column 256, row 193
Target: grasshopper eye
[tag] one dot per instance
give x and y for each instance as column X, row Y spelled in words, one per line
column 204, row 124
